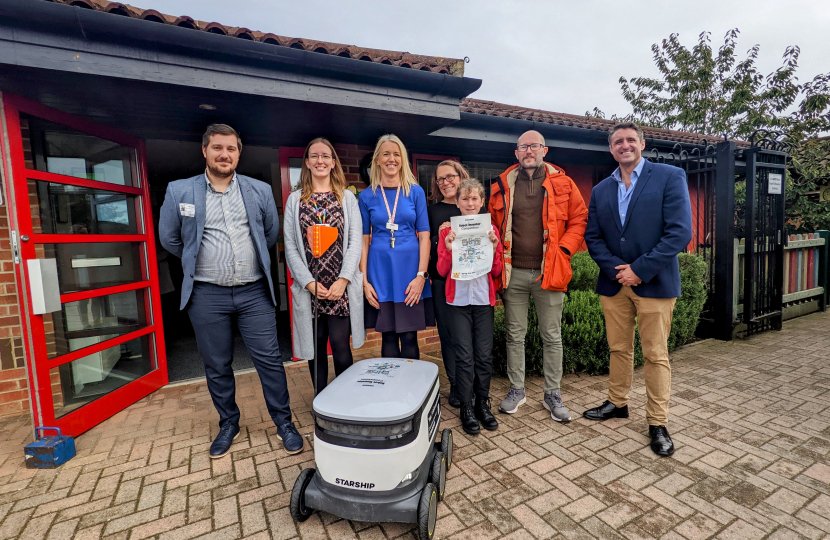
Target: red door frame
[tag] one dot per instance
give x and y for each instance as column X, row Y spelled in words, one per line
column 37, row 363
column 285, row 153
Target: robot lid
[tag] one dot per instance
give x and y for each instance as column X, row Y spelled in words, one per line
column 378, row 390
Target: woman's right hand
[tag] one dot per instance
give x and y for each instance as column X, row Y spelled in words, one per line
column 371, row 295
column 322, row 292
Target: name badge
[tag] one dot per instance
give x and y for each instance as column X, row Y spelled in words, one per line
column 187, row 210
column 391, row 226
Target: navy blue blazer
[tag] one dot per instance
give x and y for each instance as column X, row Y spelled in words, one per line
column 658, row 226
column 182, row 235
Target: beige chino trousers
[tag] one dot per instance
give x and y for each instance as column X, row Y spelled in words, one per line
column 622, row 312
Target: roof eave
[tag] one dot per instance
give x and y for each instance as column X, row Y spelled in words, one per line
column 95, row 26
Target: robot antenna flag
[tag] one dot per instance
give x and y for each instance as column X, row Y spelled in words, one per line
column 320, row 239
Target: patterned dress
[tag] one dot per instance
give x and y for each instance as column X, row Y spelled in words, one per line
column 327, row 268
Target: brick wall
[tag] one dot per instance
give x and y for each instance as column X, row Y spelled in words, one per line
column 14, row 392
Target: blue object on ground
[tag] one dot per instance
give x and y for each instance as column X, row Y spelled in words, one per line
column 49, row 452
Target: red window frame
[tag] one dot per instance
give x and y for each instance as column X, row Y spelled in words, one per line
column 37, row 362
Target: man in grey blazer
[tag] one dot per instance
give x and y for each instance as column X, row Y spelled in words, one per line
column 221, row 225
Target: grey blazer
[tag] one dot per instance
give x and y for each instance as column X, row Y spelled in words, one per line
column 182, row 235
column 302, row 318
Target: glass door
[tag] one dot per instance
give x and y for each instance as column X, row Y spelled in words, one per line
column 87, row 261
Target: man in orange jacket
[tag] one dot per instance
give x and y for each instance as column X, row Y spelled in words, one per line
column 541, row 218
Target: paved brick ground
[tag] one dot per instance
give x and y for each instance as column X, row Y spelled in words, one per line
column 749, row 419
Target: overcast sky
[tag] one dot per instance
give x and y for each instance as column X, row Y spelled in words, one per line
column 556, row 55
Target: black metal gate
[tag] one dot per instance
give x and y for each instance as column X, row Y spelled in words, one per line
column 742, row 242
column 762, row 224
column 710, row 174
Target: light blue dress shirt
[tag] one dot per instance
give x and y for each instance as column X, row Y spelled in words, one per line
column 624, row 195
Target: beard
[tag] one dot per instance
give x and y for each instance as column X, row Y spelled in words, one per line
column 220, row 174
column 532, row 166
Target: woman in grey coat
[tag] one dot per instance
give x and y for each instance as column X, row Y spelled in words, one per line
column 323, row 199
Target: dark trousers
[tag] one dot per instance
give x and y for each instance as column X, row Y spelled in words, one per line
column 213, row 311
column 442, row 322
column 334, row 329
column 472, row 341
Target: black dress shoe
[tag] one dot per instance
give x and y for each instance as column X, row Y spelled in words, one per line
column 453, row 399
column 661, row 443
column 222, row 443
column 605, row 411
column 469, row 422
column 483, row 414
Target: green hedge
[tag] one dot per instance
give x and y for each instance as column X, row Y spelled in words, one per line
column 585, row 348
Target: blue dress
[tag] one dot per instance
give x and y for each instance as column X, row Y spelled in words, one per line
column 390, row 270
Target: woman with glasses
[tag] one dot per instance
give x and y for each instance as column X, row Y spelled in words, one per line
column 334, row 277
column 445, row 182
column 395, row 251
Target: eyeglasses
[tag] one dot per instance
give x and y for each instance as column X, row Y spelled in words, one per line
column 446, row 179
column 315, row 157
column 535, row 146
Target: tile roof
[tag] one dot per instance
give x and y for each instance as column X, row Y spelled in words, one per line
column 492, row 108
column 450, row 66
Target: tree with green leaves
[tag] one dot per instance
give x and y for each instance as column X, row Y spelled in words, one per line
column 715, row 93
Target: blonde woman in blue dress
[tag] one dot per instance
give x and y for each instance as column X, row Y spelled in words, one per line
column 395, row 253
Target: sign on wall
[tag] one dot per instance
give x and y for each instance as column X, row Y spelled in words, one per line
column 774, row 184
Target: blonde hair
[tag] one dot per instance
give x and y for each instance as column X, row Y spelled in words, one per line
column 405, row 174
column 470, row 184
column 460, row 170
column 338, row 177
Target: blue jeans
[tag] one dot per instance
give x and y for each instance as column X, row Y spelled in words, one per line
column 212, row 310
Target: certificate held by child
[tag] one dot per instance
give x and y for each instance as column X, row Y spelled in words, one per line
column 472, row 250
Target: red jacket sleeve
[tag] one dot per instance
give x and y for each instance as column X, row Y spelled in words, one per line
column 444, row 256
column 498, row 252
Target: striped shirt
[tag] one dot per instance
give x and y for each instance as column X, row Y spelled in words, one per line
column 227, row 255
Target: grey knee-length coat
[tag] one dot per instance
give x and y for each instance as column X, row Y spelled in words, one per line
column 302, row 323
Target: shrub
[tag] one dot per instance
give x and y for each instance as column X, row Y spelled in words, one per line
column 692, row 297
column 585, row 273
column 583, row 334
column 585, row 347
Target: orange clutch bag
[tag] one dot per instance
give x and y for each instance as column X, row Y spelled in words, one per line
column 320, row 238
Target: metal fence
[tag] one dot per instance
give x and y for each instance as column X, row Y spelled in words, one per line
column 738, row 199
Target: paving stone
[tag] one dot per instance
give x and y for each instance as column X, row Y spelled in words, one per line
column 619, row 514
column 64, row 530
column 741, row 530
column 786, row 501
column 749, row 424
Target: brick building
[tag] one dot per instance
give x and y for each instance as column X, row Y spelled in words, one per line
column 102, row 104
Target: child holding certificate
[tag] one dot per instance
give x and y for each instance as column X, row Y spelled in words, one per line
column 470, row 304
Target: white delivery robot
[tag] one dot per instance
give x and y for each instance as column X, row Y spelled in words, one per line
column 374, row 446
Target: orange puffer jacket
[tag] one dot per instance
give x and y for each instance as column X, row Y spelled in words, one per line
column 564, row 215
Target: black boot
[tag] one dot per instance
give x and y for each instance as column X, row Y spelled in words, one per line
column 469, row 423
column 453, row 399
column 482, row 412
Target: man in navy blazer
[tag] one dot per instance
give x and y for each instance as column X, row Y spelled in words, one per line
column 222, row 225
column 639, row 219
